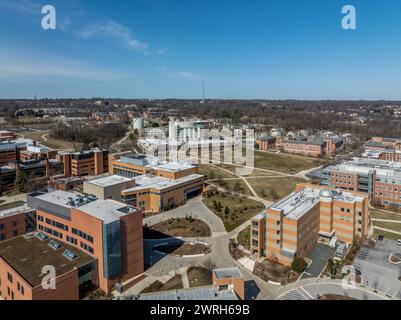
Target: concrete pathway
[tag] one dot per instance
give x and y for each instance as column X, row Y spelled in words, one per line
column 197, row 210
column 387, row 230
column 386, row 220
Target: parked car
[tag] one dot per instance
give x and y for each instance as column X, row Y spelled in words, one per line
column 399, row 242
column 380, row 238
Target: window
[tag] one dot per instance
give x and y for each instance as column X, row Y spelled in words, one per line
column 277, row 241
column 14, row 223
column 86, row 247
column 15, row 233
column 82, row 235
column 72, row 240
column 9, row 277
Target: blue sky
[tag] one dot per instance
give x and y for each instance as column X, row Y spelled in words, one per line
column 272, row 49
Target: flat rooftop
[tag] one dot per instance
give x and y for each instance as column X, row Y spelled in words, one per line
column 174, row 166
column 109, row 181
column 364, row 165
column 160, row 183
column 28, row 256
column 224, row 273
column 105, row 210
column 296, row 204
column 14, row 211
column 201, row 293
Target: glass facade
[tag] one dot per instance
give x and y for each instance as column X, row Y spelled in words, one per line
column 112, row 257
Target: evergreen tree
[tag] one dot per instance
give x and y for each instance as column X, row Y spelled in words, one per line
column 20, row 181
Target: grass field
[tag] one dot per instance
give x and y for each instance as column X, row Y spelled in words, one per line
column 213, row 173
column 241, row 209
column 388, row 225
column 244, row 237
column 283, row 162
column 378, row 214
column 386, row 234
column 273, row 189
column 217, row 175
column 50, row 142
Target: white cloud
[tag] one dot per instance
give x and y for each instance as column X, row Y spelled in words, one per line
column 114, row 30
column 13, row 66
column 187, row 75
column 22, row 6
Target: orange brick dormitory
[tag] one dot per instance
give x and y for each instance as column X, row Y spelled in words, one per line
column 293, row 226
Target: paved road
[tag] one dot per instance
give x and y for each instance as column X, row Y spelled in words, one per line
column 376, row 271
column 165, row 265
column 308, row 289
column 319, row 256
column 197, row 210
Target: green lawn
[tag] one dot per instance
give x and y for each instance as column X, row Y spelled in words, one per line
column 244, row 237
column 214, row 173
column 388, row 225
column 241, row 209
column 273, row 189
column 386, row 234
column 283, row 162
column 378, row 214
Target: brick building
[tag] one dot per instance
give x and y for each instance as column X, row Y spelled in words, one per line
column 91, row 162
column 380, row 179
column 293, row 226
column 109, row 231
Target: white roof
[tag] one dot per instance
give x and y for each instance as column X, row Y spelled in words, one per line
column 155, row 182
column 109, row 181
column 296, row 204
column 105, row 210
column 174, row 166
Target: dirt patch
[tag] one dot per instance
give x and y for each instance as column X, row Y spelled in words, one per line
column 234, row 251
column 272, row 271
column 179, row 227
column 184, row 249
column 199, row 276
column 172, row 284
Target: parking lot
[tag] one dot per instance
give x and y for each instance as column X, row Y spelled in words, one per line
column 376, row 271
column 319, row 256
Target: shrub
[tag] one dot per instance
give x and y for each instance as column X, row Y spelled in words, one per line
column 299, row 264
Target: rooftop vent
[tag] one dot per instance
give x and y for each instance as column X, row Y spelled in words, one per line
column 80, row 200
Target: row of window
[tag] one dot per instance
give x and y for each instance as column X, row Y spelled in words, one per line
column 10, row 293
column 50, row 231
column 83, row 235
column 13, row 224
column 57, row 224
column 4, row 236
